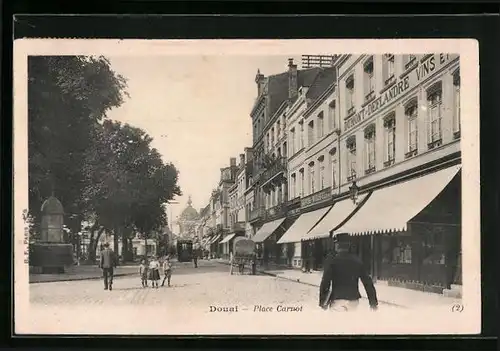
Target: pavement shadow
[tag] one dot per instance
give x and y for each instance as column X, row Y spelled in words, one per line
column 129, row 288
column 181, row 285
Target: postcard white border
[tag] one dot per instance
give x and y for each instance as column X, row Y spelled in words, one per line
column 417, row 322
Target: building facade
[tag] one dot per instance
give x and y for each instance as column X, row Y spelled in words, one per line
column 276, row 94
column 401, row 121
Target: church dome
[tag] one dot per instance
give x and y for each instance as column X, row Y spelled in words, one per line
column 189, row 213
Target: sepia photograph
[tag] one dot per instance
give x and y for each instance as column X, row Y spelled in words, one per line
column 252, row 187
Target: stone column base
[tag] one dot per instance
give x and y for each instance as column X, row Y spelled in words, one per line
column 51, row 257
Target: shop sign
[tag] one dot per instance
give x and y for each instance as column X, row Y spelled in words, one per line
column 317, row 197
column 415, row 77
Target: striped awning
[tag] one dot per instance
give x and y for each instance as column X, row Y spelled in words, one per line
column 215, row 238
column 340, row 211
column 302, row 226
column 267, row 230
column 227, row 238
column 391, row 208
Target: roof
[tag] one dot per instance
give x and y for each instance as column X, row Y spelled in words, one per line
column 324, row 78
column 278, row 86
column 189, row 212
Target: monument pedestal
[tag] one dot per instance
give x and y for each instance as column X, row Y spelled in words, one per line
column 51, row 254
column 51, row 257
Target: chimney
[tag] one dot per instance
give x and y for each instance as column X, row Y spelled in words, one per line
column 232, row 162
column 292, row 79
column 259, row 79
column 248, row 154
column 242, row 160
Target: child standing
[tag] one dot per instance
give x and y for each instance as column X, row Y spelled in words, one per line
column 167, row 271
column 143, row 272
column 154, row 271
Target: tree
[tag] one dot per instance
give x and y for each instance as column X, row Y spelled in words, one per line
column 67, row 97
column 129, row 182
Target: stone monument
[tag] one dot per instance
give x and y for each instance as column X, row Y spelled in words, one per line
column 51, row 254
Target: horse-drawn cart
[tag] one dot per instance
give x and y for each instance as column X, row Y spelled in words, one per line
column 243, row 255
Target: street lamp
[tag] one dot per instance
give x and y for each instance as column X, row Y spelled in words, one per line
column 354, row 190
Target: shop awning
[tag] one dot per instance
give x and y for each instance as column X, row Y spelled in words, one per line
column 215, row 239
column 227, row 238
column 266, row 230
column 302, row 226
column 390, row 209
column 340, row 211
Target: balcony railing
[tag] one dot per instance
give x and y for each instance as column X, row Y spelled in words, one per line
column 277, row 211
column 279, row 166
column 257, row 214
column 238, row 227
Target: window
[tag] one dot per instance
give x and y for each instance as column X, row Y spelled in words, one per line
column 411, row 113
column 370, row 149
column 331, row 116
column 321, row 125
column 409, row 61
column 349, row 85
column 293, row 188
column 351, row 158
column 312, row 179
column 310, row 133
column 456, row 101
column 321, row 164
column 433, row 248
column 293, row 141
column 333, row 162
column 278, row 129
column 390, row 139
column 388, row 69
column 302, row 183
column 272, row 137
column 434, row 108
column 396, row 250
column 369, row 79
column 301, row 137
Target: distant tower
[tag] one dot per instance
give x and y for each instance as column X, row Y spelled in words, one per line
column 188, row 220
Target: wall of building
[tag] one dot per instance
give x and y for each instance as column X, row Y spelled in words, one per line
column 321, row 154
column 296, row 145
column 412, row 84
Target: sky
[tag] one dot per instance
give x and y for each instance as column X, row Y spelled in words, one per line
column 196, row 109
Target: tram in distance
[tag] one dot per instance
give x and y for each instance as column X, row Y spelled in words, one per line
column 184, row 250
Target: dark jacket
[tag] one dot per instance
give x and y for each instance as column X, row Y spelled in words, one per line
column 108, row 259
column 341, row 274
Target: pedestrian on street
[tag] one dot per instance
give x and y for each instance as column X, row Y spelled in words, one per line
column 195, row 258
column 143, row 271
column 154, row 271
column 107, row 264
column 231, row 262
column 167, row 271
column 339, row 289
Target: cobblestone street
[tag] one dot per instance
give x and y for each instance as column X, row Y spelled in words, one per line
column 185, row 307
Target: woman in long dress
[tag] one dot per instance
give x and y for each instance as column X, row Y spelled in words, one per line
column 154, row 271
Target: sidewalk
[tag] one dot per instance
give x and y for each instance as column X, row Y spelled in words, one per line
column 391, row 295
column 81, row 273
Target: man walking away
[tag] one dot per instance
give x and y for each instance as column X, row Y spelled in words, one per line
column 195, row 258
column 107, row 264
column 339, row 289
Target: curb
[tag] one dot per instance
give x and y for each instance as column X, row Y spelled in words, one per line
column 71, row 279
column 317, row 286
